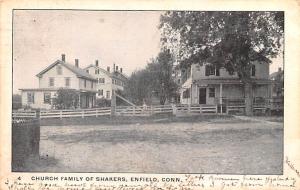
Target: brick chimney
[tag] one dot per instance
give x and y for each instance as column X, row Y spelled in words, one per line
column 108, row 69
column 63, row 57
column 97, row 63
column 121, row 70
column 114, row 69
column 76, row 63
column 117, row 68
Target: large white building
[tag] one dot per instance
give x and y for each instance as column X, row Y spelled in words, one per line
column 205, row 84
column 61, row 74
column 107, row 80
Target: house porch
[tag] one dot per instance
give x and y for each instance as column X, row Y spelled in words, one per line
column 224, row 92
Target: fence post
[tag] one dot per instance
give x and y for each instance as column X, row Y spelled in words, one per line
column 60, row 114
column 96, row 112
column 133, row 110
column 189, row 108
column 82, row 113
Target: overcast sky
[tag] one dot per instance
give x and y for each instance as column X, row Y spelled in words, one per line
column 127, row 38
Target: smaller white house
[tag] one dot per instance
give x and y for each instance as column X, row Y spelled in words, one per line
column 107, row 81
column 61, row 74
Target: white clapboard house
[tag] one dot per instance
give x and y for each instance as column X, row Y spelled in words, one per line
column 205, row 84
column 107, row 80
column 61, row 74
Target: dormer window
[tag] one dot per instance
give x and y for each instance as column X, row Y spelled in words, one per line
column 58, row 70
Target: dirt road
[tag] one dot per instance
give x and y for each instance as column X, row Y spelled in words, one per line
column 227, row 146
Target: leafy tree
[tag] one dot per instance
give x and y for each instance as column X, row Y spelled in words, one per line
column 154, row 80
column 66, row 99
column 232, row 40
column 160, row 70
column 137, row 88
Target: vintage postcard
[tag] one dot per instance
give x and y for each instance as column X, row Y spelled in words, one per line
column 171, row 95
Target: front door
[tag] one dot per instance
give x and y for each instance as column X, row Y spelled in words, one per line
column 202, row 96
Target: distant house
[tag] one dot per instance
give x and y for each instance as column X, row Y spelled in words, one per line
column 107, row 80
column 211, row 86
column 61, row 74
column 278, row 83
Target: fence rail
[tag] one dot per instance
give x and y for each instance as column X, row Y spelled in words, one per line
column 231, row 107
column 24, row 114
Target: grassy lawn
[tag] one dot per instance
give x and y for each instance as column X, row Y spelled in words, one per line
column 208, row 144
column 125, row 120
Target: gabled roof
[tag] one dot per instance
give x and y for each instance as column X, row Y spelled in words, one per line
column 102, row 70
column 78, row 71
column 115, row 74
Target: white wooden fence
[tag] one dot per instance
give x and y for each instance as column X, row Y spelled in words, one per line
column 95, row 112
column 138, row 111
column 143, row 110
column 199, row 109
column 24, row 114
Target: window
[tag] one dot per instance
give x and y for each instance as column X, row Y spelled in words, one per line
column 100, row 92
column 211, row 92
column 186, row 93
column 210, row 70
column 47, row 98
column 217, row 72
column 51, row 81
column 84, row 83
column 58, row 70
column 96, row 71
column 30, row 97
column 67, row 81
column 253, row 70
column 107, row 94
column 101, row 80
column 92, row 84
column 87, row 71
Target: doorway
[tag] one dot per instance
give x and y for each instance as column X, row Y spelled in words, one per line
column 202, row 96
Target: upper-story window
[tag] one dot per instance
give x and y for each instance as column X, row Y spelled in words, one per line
column 67, row 81
column 253, row 70
column 92, row 84
column 51, row 81
column 101, row 80
column 97, row 71
column 84, row 83
column 59, row 70
column 211, row 70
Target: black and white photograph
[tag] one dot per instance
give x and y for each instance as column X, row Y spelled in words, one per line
column 140, row 91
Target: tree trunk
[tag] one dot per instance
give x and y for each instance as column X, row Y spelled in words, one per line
column 248, row 98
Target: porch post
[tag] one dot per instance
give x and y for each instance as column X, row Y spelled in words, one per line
column 221, row 95
column 79, row 103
